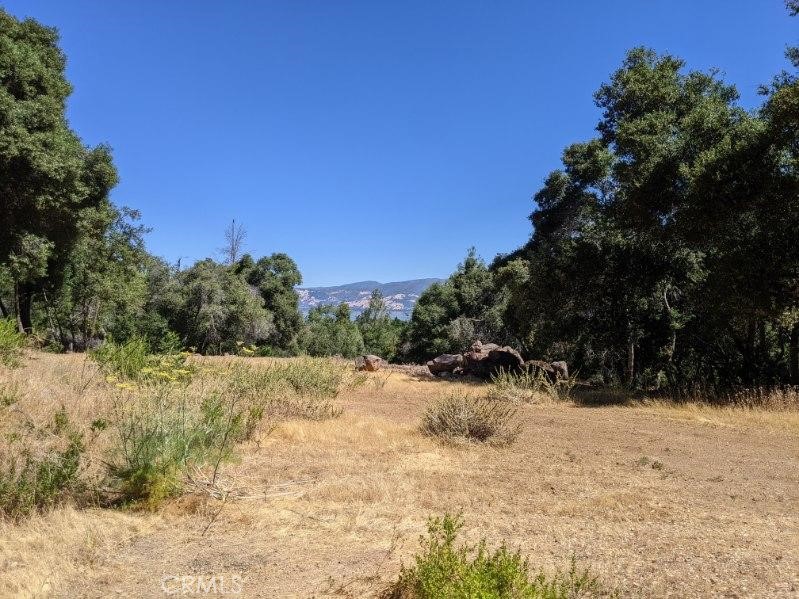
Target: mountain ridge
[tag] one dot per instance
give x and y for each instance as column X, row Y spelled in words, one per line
column 400, row 296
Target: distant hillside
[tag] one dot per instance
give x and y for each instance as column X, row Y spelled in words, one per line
column 400, row 296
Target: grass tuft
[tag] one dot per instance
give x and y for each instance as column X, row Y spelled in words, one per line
column 531, row 385
column 466, row 418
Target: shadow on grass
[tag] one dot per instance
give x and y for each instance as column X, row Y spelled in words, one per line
column 597, row 397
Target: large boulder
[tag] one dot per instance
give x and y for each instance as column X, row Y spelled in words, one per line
column 561, row 369
column 486, row 359
column 505, row 358
column 369, row 363
column 445, row 363
column 474, row 359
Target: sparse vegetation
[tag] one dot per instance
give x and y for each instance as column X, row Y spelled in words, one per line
column 9, row 394
column 132, row 361
column 466, row 418
column 445, row 570
column 159, row 433
column 251, row 440
column 662, row 263
column 36, row 480
column 164, row 426
column 530, row 385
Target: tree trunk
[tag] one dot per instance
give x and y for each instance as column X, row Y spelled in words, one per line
column 24, row 307
column 793, row 354
column 631, row 363
column 3, row 309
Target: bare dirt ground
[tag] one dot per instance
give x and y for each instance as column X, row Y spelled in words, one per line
column 659, row 501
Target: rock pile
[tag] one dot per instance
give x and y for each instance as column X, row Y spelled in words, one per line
column 484, row 360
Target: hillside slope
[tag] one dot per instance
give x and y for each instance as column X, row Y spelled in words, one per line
column 400, row 296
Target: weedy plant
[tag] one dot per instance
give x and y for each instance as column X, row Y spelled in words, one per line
column 11, row 343
column 444, row 570
column 465, row 418
column 132, row 363
column 162, row 430
column 34, row 483
column 785, row 398
column 530, row 385
column 300, row 389
column 9, row 395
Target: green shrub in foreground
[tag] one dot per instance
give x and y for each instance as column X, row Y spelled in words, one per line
column 161, row 432
column 443, row 571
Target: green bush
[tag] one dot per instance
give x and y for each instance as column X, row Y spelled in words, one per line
column 444, row 571
column 160, row 433
column 31, row 483
column 462, row 417
column 11, row 342
column 126, row 360
column 162, row 430
column 132, row 361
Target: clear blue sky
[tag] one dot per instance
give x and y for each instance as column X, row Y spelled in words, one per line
column 368, row 140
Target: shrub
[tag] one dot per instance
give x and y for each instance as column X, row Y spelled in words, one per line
column 443, row 570
column 161, row 430
column 160, row 433
column 126, row 360
column 297, row 389
column 320, row 377
column 132, row 361
column 11, row 342
column 529, row 385
column 35, row 483
column 301, row 408
column 461, row 417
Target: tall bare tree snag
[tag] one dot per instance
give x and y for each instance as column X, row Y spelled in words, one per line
column 234, row 242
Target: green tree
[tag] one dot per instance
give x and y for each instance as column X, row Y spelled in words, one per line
column 103, row 289
column 657, row 253
column 381, row 333
column 329, row 331
column 449, row 316
column 51, row 184
column 217, row 310
column 275, row 277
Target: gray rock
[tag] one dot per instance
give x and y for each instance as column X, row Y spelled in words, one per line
column 486, row 359
column 445, row 363
column 561, row 369
column 372, row 363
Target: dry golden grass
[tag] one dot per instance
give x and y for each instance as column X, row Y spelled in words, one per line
column 332, row 508
column 40, row 556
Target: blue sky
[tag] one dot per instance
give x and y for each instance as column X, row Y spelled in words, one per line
column 368, row 140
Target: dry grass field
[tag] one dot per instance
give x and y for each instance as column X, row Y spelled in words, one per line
column 658, row 500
